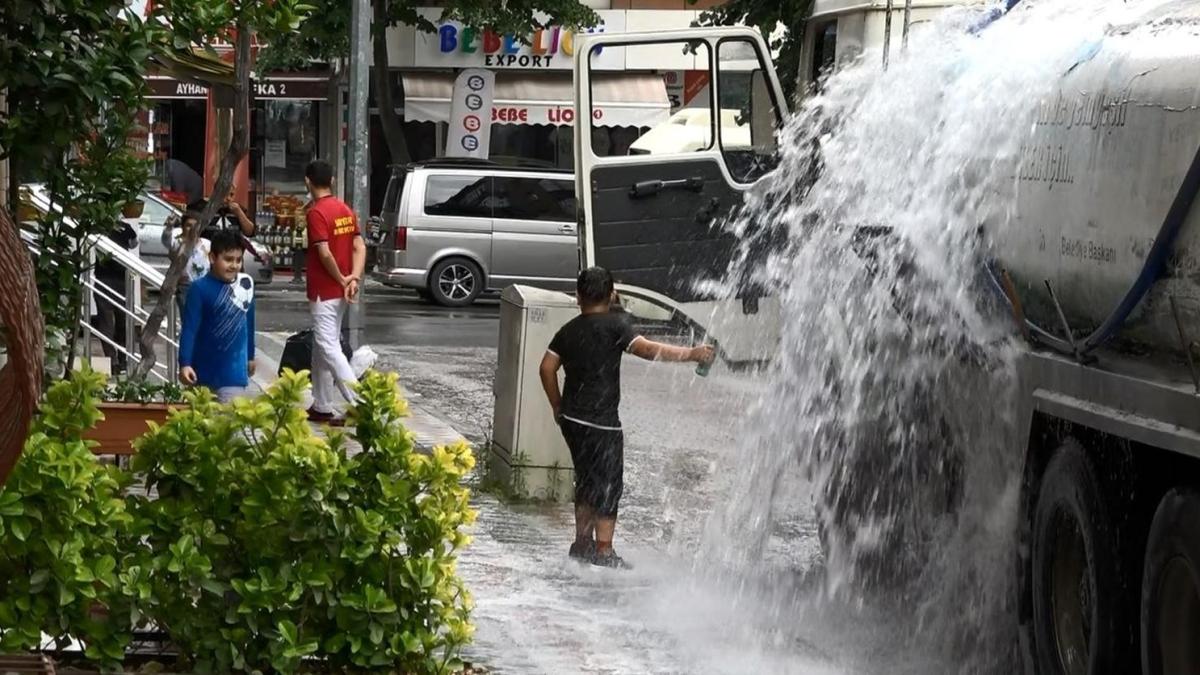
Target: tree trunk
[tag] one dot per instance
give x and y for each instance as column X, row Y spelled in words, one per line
column 238, row 147
column 21, row 321
column 393, row 134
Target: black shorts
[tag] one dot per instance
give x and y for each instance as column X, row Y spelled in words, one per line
column 599, row 458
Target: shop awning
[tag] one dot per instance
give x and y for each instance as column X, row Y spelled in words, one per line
column 621, row 99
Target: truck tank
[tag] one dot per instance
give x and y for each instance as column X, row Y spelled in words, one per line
column 1107, row 158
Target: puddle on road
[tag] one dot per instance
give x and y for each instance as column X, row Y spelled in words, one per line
column 537, row 611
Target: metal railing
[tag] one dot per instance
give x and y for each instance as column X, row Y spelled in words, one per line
column 126, row 302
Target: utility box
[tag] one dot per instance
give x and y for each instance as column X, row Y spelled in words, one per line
column 528, row 452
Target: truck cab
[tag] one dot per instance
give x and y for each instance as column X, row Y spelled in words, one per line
column 839, row 31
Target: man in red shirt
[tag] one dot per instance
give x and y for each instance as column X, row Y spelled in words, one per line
column 337, row 256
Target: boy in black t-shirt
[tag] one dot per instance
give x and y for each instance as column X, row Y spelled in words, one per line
column 589, row 348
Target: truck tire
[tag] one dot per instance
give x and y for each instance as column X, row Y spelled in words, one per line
column 1081, row 621
column 1171, row 587
column 455, row 282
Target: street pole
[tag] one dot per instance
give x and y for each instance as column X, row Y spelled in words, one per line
column 357, row 143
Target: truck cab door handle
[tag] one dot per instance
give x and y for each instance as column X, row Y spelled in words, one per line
column 649, row 188
column 567, row 229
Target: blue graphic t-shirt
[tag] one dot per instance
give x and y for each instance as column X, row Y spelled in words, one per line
column 217, row 339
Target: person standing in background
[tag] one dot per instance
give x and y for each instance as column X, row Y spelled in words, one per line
column 183, row 179
column 337, row 255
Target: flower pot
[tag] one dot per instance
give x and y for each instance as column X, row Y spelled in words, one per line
column 125, row 422
column 133, row 209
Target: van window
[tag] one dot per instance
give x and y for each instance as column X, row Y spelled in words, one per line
column 395, row 188
column 462, row 196
column 535, row 199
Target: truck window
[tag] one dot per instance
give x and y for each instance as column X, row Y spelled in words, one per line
column 535, row 199
column 824, row 52
column 748, row 111
column 634, row 114
column 461, row 196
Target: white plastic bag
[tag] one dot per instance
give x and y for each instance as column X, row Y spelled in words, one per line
column 362, row 360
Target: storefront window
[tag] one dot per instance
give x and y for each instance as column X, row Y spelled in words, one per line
column 288, row 142
column 175, row 145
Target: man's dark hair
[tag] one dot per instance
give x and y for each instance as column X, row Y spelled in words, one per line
column 190, row 215
column 319, row 173
column 226, row 240
column 595, row 285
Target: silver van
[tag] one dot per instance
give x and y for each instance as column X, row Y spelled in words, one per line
column 454, row 229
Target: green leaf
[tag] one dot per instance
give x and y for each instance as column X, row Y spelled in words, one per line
column 288, row 631
column 20, row 528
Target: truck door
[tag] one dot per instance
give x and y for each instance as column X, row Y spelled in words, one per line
column 655, row 197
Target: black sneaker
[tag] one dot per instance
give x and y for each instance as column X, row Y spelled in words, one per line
column 610, row 559
column 318, row 417
column 582, row 550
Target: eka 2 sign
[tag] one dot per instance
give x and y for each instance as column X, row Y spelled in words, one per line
column 550, row 48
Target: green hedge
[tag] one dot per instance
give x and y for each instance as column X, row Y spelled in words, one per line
column 264, row 545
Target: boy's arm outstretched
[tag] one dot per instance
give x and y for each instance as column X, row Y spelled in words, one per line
column 657, row 351
column 549, row 373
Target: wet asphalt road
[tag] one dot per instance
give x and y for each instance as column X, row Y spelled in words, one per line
column 394, row 317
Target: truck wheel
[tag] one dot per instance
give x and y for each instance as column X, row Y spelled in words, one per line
column 1079, row 618
column 1171, row 587
column 455, row 282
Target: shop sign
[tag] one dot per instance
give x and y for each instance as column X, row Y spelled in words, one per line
column 312, row 89
column 687, row 88
column 550, row 48
column 470, row 135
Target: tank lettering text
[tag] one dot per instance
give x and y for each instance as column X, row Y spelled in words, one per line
column 1094, row 111
column 1045, row 163
column 1088, row 250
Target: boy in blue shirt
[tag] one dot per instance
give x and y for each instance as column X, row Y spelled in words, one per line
column 216, row 345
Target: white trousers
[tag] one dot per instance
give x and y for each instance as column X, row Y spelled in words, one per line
column 330, row 368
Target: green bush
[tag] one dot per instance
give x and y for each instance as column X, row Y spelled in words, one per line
column 257, row 543
column 268, row 544
column 62, row 526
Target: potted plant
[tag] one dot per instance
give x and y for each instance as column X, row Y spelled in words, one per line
column 133, row 208
column 128, row 406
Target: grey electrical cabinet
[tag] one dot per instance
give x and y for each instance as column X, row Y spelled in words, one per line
column 528, row 451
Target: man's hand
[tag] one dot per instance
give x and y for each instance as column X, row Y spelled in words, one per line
column 251, row 367
column 350, row 290
column 187, row 375
column 703, row 354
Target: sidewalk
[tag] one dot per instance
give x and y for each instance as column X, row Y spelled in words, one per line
column 429, row 429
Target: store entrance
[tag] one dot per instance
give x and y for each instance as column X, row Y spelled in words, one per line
column 188, row 125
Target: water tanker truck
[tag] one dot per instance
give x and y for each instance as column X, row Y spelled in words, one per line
column 1101, row 275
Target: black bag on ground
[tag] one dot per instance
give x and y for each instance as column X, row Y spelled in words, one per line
column 297, row 352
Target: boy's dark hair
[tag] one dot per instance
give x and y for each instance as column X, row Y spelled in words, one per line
column 319, row 173
column 595, row 285
column 190, row 215
column 226, row 240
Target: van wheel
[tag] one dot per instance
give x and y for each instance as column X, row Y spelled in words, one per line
column 1079, row 615
column 1171, row 587
column 455, row 282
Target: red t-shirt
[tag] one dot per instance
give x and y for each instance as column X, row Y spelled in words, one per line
column 332, row 222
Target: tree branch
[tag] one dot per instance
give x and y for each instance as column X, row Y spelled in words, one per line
column 238, row 147
column 393, row 133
